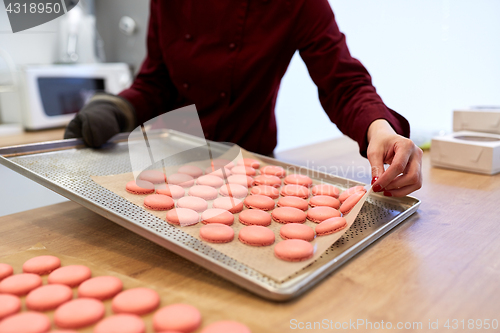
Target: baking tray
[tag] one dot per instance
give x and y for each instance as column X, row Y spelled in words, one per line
column 65, row 167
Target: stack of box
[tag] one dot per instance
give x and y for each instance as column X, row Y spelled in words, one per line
column 474, row 145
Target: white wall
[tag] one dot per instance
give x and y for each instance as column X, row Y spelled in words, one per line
column 33, row 46
column 426, row 57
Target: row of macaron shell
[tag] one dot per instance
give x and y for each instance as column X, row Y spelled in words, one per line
column 88, row 309
column 206, row 188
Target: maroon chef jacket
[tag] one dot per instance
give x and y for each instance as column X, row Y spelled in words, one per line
column 228, row 58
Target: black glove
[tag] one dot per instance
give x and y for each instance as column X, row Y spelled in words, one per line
column 100, row 119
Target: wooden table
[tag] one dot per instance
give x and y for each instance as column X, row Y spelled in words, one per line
column 442, row 264
column 32, row 137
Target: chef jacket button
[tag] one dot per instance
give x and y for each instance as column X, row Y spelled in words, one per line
column 232, row 46
column 222, row 94
column 185, row 85
column 188, row 37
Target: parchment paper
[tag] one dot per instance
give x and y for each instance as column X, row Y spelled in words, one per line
column 261, row 259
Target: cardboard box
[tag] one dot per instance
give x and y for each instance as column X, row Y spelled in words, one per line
column 467, row 151
column 480, row 119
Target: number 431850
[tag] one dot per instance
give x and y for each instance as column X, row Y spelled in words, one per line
column 471, row 324
column 33, row 8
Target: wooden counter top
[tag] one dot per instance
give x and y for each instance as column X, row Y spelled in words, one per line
column 442, row 263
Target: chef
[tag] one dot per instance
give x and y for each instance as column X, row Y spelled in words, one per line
column 228, row 58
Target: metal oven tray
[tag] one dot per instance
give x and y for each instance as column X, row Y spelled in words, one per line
column 66, row 166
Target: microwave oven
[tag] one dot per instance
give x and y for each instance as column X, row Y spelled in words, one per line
column 49, row 96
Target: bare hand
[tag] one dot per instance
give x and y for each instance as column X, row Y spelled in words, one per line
column 385, row 146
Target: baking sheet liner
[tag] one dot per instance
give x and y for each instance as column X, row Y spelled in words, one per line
column 261, row 259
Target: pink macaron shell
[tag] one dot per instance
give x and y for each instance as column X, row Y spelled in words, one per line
column 121, row 323
column 140, row 187
column 258, row 201
column 191, row 170
column 183, row 217
column 180, row 179
column 297, row 231
column 273, row 170
column 326, row 189
column 330, row 226
column 243, row 180
column 266, row 190
column 138, row 301
column 173, row 191
column 297, row 179
column 48, row 297
column 288, row 215
column 20, row 284
column 232, row 204
column 178, row 317
column 233, row 190
column 222, row 162
column 64, row 331
column 153, row 176
column 5, row 271
column 195, row 203
column 217, row 215
column 100, row 287
column 324, row 200
column 244, row 170
column 9, row 305
column 344, row 195
column 25, row 322
column 256, row 235
column 210, row 180
column 249, row 162
column 218, row 172
column 321, row 213
column 226, row 326
column 216, row 233
column 158, row 202
column 78, row 313
column 41, row 265
column 350, row 202
column 292, row 201
column 267, row 180
column 295, row 190
column 71, row 275
column 294, row 250
column 255, row 217
column 203, row 191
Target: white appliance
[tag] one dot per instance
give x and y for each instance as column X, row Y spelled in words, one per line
column 50, row 95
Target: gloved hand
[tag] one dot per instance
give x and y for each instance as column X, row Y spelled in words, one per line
column 102, row 118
